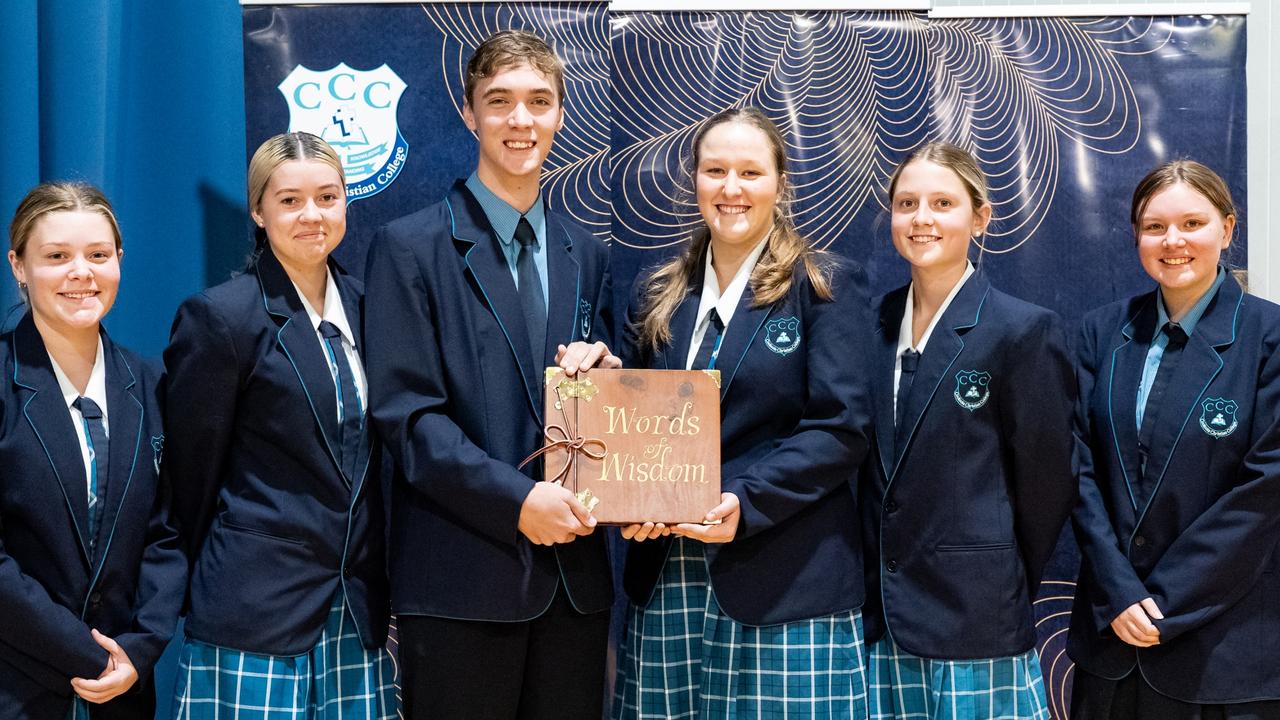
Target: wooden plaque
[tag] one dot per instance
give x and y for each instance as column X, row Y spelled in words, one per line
column 636, row 445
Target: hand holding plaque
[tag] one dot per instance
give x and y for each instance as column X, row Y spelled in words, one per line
column 635, row 445
column 720, row 524
column 550, row 514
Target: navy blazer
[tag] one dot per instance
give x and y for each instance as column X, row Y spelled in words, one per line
column 52, row 590
column 272, row 525
column 459, row 404
column 965, row 515
column 795, row 425
column 1199, row 535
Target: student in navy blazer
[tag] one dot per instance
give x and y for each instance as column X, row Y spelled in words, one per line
column 500, row 589
column 973, row 396
column 756, row 616
column 1178, row 602
column 274, row 472
column 91, row 577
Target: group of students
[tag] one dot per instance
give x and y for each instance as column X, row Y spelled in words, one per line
column 895, row 473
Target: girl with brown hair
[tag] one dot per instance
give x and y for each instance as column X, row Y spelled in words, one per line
column 758, row 614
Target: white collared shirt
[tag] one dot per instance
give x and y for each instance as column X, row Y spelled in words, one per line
column 336, row 314
column 904, row 330
column 723, row 303
column 96, row 391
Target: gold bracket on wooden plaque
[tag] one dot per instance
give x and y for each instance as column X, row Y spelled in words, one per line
column 583, row 388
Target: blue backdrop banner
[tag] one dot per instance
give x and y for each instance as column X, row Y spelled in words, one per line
column 1065, row 115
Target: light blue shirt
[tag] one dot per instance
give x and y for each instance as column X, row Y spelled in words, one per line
column 504, row 220
column 1161, row 340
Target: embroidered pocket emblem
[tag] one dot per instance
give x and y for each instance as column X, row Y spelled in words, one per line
column 782, row 335
column 1218, row 417
column 584, row 313
column 157, row 451
column 973, row 389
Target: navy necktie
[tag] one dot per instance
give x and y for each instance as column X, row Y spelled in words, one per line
column 350, row 417
column 910, row 361
column 709, row 350
column 95, row 433
column 530, row 287
column 1155, row 399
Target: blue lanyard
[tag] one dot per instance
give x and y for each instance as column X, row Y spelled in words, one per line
column 715, row 350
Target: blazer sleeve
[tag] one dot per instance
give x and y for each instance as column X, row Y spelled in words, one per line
column 1220, row 557
column 162, row 582
column 1116, row 584
column 32, row 622
column 831, row 439
column 1036, row 418
column 200, row 408
column 410, row 402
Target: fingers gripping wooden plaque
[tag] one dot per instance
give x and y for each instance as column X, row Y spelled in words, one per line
column 635, row 445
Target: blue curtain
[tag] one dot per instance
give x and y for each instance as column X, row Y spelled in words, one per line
column 144, row 98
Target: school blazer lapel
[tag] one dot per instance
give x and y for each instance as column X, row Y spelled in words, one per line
column 564, row 288
column 125, row 418
column 1127, row 361
column 676, row 354
column 488, row 268
column 885, row 356
column 1200, row 363
column 739, row 335
column 351, row 305
column 46, row 411
column 297, row 338
column 939, row 357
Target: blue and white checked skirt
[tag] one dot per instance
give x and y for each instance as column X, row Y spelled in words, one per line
column 906, row 687
column 338, row 680
column 684, row 658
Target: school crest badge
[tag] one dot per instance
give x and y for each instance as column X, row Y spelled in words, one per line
column 355, row 112
column 973, row 389
column 1218, row 417
column 157, row 451
column 782, row 335
column 584, row 318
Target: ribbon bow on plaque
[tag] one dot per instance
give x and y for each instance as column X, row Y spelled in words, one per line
column 566, row 437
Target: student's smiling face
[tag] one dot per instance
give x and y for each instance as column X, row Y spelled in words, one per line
column 71, row 267
column 515, row 115
column 933, row 218
column 737, row 184
column 1181, row 236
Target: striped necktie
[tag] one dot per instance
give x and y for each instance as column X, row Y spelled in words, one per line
column 350, row 416
column 95, row 433
column 709, row 350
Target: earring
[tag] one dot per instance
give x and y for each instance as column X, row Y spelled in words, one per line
column 22, row 285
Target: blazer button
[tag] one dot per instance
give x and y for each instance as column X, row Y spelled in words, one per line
column 891, row 507
column 346, row 572
column 891, row 566
column 95, row 598
column 1139, row 541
